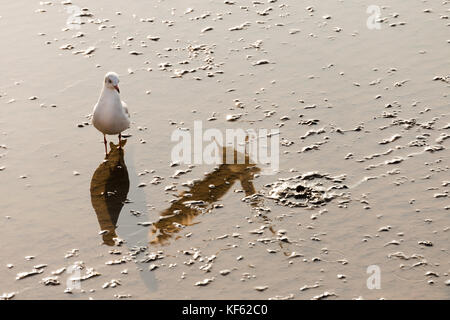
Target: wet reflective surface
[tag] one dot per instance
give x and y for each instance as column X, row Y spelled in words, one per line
column 366, row 107
column 202, row 195
column 109, row 189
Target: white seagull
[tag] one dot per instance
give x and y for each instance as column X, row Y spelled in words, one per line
column 110, row 114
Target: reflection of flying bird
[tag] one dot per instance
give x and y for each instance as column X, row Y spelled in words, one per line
column 110, row 114
column 203, row 193
column 109, row 189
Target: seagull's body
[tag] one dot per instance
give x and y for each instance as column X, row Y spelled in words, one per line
column 110, row 114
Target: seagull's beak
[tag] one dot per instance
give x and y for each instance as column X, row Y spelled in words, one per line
column 117, row 88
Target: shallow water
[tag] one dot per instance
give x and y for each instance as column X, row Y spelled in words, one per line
column 390, row 151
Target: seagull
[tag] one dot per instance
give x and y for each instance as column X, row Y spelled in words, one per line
column 110, row 114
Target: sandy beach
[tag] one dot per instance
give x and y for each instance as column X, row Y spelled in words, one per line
column 357, row 207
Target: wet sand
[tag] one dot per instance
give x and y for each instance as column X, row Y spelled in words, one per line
column 365, row 109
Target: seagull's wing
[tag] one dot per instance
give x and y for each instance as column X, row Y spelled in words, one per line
column 125, row 108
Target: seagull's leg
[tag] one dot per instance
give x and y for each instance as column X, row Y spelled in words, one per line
column 105, row 142
column 120, row 140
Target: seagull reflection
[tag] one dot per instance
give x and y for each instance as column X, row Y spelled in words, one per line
column 202, row 195
column 109, row 189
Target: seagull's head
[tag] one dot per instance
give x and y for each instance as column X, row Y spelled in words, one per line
column 112, row 81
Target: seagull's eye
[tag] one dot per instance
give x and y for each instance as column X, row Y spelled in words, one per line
column 109, row 80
